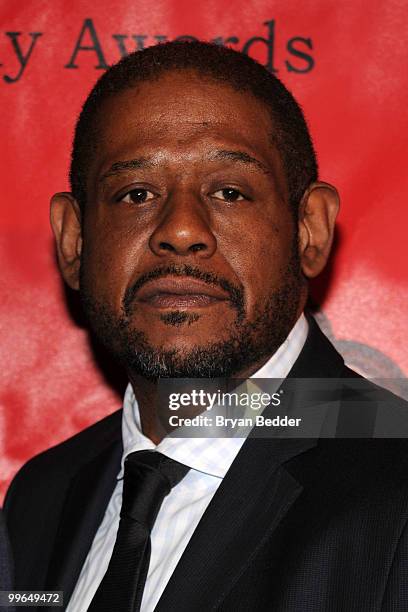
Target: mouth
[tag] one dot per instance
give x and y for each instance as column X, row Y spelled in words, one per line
column 180, row 293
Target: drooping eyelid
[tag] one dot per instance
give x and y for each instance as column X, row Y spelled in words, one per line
column 246, row 190
column 243, row 196
column 122, row 193
column 244, row 182
column 148, row 199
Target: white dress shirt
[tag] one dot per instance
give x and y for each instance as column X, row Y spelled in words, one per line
column 181, row 511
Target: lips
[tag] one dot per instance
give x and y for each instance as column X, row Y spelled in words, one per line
column 175, row 292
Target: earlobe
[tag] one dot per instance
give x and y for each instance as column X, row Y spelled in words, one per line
column 65, row 217
column 317, row 217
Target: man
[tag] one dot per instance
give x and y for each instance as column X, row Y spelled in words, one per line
column 195, row 219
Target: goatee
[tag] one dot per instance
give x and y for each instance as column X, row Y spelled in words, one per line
column 248, row 342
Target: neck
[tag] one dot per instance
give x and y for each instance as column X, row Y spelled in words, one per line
column 153, row 420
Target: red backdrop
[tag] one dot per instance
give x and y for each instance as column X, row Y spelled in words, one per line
column 344, row 61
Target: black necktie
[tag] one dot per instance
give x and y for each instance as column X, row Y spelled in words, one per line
column 149, row 477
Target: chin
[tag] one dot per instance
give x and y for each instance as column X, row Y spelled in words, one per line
column 182, row 329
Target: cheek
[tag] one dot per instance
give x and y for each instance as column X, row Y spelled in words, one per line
column 109, row 258
column 260, row 253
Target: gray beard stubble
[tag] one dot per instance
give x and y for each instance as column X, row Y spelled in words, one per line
column 248, row 343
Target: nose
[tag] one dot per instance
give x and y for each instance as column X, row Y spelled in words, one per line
column 184, row 229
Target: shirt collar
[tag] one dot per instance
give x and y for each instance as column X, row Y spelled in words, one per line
column 212, row 456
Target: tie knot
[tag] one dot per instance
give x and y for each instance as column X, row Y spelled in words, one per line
column 149, row 477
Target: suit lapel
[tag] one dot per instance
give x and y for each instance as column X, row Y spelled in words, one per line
column 84, row 508
column 254, row 497
column 251, row 501
column 318, row 358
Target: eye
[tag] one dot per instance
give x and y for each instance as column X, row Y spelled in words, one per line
column 228, row 194
column 137, row 196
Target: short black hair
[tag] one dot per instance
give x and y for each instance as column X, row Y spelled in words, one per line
column 239, row 71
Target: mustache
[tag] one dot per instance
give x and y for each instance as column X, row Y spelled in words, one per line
column 235, row 292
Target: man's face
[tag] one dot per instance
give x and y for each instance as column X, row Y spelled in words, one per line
column 189, row 264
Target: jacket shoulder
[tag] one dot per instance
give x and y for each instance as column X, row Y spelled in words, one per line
column 371, row 390
column 61, row 461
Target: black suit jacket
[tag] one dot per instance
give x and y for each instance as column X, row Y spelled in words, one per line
column 5, row 558
column 6, row 583
column 297, row 525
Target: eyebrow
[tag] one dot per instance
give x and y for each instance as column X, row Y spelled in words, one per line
column 240, row 157
column 141, row 163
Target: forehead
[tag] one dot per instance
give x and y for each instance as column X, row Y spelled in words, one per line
column 183, row 112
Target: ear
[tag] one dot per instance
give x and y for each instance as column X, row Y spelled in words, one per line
column 65, row 218
column 317, row 216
